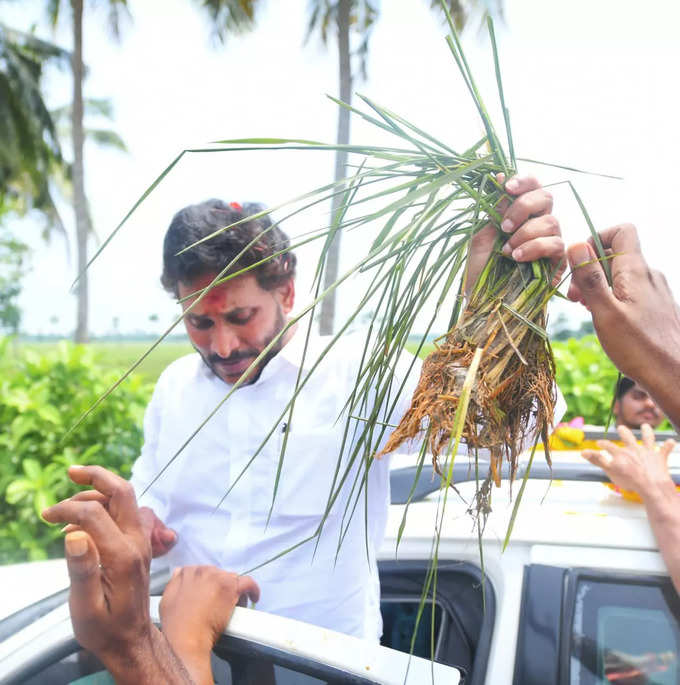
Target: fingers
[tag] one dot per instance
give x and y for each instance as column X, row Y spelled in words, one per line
column 82, row 560
column 92, row 518
column 533, row 201
column 161, row 537
column 520, row 242
column 647, row 434
column 667, row 448
column 551, row 247
column 122, row 500
column 627, row 437
column 621, row 238
column 91, row 496
column 247, row 587
column 535, row 232
column 601, row 459
column 520, row 184
column 588, row 281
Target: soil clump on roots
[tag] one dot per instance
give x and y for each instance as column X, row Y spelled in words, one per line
column 513, row 394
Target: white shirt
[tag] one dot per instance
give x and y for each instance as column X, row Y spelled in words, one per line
column 308, row 583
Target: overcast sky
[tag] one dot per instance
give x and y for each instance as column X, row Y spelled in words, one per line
column 589, row 83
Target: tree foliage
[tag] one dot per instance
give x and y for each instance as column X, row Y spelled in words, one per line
column 13, row 255
column 41, row 395
column 586, row 377
column 30, row 153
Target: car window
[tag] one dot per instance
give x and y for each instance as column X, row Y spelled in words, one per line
column 232, row 665
column 400, row 615
column 624, row 632
column 463, row 621
column 80, row 668
column 230, row 668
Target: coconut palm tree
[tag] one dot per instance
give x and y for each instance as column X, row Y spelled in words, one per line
column 342, row 19
column 80, row 205
column 30, row 154
column 345, row 17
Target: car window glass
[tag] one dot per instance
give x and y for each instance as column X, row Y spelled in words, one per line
column 78, row 668
column 625, row 633
column 260, row 671
column 82, row 668
column 399, row 621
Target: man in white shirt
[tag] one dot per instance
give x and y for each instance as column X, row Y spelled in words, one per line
column 331, row 579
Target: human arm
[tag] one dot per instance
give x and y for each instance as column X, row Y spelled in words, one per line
column 534, row 231
column 637, row 320
column 195, row 609
column 644, row 469
column 108, row 558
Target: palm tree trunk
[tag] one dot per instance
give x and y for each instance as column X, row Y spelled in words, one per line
column 83, row 226
column 327, row 315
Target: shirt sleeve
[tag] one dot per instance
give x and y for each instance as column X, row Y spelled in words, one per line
column 147, row 465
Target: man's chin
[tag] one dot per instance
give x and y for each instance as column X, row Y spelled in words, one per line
column 652, row 421
column 233, row 378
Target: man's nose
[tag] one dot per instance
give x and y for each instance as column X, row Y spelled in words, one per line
column 649, row 403
column 224, row 341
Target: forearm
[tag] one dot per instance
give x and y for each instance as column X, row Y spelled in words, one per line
column 660, row 377
column 155, row 662
column 663, row 512
column 195, row 655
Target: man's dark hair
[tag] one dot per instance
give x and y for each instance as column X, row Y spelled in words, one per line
column 623, row 386
column 195, row 222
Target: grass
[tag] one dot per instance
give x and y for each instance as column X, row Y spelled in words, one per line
column 122, row 355
column 119, row 356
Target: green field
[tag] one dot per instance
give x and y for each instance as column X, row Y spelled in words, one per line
column 121, row 355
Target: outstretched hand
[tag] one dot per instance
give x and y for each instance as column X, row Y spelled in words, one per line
column 195, row 610
column 108, row 556
column 644, row 469
column 641, row 468
column 534, row 231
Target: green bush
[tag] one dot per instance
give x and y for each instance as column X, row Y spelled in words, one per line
column 586, row 377
column 41, row 397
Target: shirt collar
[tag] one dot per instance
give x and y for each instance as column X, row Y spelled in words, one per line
column 292, row 353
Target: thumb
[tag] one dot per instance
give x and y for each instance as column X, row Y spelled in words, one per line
column 147, row 519
column 247, row 587
column 588, row 276
column 667, row 448
column 82, row 560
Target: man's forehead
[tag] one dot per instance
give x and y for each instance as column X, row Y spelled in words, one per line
column 234, row 293
column 636, row 388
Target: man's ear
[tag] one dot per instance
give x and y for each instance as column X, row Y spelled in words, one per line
column 285, row 294
column 616, row 408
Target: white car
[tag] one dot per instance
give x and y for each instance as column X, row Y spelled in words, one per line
column 580, row 596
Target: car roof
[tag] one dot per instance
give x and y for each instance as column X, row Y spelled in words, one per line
column 29, row 582
column 568, row 505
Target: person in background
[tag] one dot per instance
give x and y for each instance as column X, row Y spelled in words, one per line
column 637, row 321
column 634, row 406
